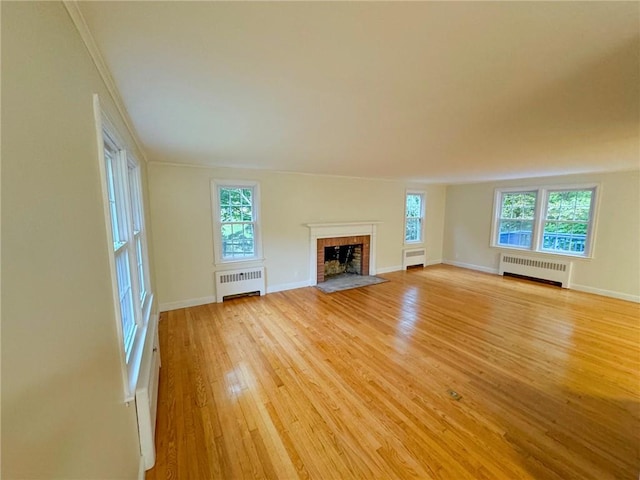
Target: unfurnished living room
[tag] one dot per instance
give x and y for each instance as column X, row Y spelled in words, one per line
column 326, row 240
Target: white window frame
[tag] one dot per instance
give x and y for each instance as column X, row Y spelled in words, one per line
column 423, row 196
column 126, row 171
column 542, row 201
column 216, row 185
column 139, row 234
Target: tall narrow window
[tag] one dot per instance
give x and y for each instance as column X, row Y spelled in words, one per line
column 517, row 215
column 115, row 169
column 236, row 207
column 131, row 288
column 414, row 217
column 126, row 216
column 567, row 221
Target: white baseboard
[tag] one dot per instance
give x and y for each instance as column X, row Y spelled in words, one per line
column 193, row 302
column 607, row 293
column 395, row 268
column 287, row 286
column 471, row 266
column 141, row 470
column 580, row 288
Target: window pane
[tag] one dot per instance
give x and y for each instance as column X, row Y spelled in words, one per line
column 224, row 197
column 564, row 236
column 125, row 294
column 567, row 221
column 111, row 192
column 515, row 225
column 518, row 205
column 234, row 196
column 246, row 214
column 140, row 262
column 236, row 204
column 238, row 240
column 246, row 196
column 414, row 207
column 515, row 233
column 412, row 233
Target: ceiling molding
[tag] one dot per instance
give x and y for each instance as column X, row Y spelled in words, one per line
column 83, row 29
column 292, row 172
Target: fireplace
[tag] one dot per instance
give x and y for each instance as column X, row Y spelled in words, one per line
column 337, row 238
column 348, row 246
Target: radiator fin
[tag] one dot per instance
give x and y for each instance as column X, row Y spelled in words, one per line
column 530, row 262
column 240, row 276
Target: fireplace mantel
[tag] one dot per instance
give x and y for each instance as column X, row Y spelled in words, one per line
column 339, row 229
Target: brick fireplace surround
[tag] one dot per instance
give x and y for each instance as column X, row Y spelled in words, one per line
column 337, row 234
column 365, row 240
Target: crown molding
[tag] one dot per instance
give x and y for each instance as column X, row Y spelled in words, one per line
column 83, row 29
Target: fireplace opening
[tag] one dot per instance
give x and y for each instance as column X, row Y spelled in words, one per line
column 341, row 259
column 356, row 258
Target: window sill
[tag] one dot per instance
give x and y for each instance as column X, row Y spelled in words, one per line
column 243, row 261
column 543, row 252
column 135, row 360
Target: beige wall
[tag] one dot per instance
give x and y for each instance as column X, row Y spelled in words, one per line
column 181, row 216
column 63, row 414
column 615, row 266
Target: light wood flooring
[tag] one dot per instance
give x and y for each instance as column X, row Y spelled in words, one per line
column 354, row 384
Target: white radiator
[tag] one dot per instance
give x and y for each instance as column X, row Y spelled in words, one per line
column 413, row 256
column 147, row 395
column 552, row 270
column 237, row 282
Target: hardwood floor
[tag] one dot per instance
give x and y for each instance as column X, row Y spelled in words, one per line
column 354, row 384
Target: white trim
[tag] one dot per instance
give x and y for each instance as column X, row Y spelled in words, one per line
column 287, row 286
column 423, row 210
column 471, row 266
column 338, row 225
column 606, row 293
column 579, row 288
column 141, row 470
column 395, row 268
column 192, row 302
column 216, row 221
column 340, row 229
column 80, row 23
column 289, row 172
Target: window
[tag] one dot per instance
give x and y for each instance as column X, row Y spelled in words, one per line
column 236, row 224
column 517, row 214
column 414, row 217
column 124, row 214
column 546, row 219
column 114, row 165
column 567, row 221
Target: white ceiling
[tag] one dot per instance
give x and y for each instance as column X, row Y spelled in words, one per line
column 436, row 92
